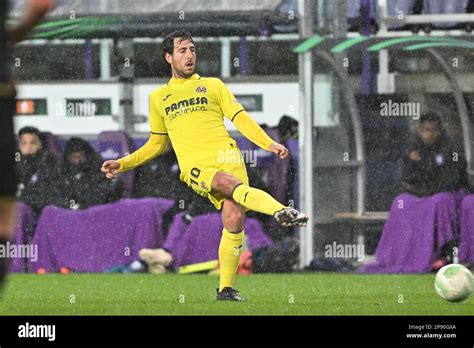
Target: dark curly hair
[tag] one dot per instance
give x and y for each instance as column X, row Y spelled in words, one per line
column 168, row 42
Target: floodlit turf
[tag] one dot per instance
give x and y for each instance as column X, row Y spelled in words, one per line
column 276, row 294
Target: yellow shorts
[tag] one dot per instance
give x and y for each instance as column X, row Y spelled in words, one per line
column 200, row 174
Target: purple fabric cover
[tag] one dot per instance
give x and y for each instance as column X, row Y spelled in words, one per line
column 414, row 232
column 466, row 235
column 199, row 241
column 25, row 225
column 95, row 239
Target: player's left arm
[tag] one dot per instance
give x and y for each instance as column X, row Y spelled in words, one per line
column 233, row 110
column 252, row 131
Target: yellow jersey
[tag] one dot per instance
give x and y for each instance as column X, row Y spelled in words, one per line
column 191, row 111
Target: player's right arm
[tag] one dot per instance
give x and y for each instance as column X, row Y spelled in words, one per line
column 154, row 147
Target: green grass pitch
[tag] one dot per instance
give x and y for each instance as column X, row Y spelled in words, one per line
column 267, row 294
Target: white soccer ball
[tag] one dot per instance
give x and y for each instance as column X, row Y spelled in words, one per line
column 454, row 283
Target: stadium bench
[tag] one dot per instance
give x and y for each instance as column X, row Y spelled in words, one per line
column 361, row 225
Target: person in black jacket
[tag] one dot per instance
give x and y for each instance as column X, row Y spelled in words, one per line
column 434, row 164
column 81, row 184
column 422, row 228
column 37, row 171
column 160, row 178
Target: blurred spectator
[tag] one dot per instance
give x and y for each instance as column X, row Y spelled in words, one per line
column 37, row 171
column 433, row 164
column 159, row 178
column 288, row 129
column 422, row 228
column 81, row 183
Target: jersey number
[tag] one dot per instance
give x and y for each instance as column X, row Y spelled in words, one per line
column 195, row 173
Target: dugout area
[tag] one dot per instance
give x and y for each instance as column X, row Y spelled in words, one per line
column 361, row 153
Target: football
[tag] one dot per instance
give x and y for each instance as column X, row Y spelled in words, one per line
column 454, row 283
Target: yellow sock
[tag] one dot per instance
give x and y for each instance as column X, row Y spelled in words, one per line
column 255, row 199
column 230, row 250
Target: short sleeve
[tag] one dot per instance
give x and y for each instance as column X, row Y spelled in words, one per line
column 157, row 123
column 230, row 106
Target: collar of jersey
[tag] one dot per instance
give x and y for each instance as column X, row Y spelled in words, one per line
column 192, row 78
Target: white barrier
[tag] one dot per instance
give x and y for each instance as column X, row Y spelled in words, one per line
column 90, row 108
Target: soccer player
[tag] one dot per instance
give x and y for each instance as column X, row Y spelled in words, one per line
column 189, row 110
column 35, row 10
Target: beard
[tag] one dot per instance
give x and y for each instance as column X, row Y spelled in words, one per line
column 183, row 73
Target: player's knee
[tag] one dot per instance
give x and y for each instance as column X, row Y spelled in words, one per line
column 225, row 183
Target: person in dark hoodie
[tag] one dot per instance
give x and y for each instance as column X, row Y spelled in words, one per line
column 421, row 232
column 81, row 184
column 434, row 164
column 37, row 171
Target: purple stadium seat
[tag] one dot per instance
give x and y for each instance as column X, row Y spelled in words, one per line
column 396, row 8
column 353, row 9
column 444, row 6
column 354, row 13
column 53, row 145
column 113, row 145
